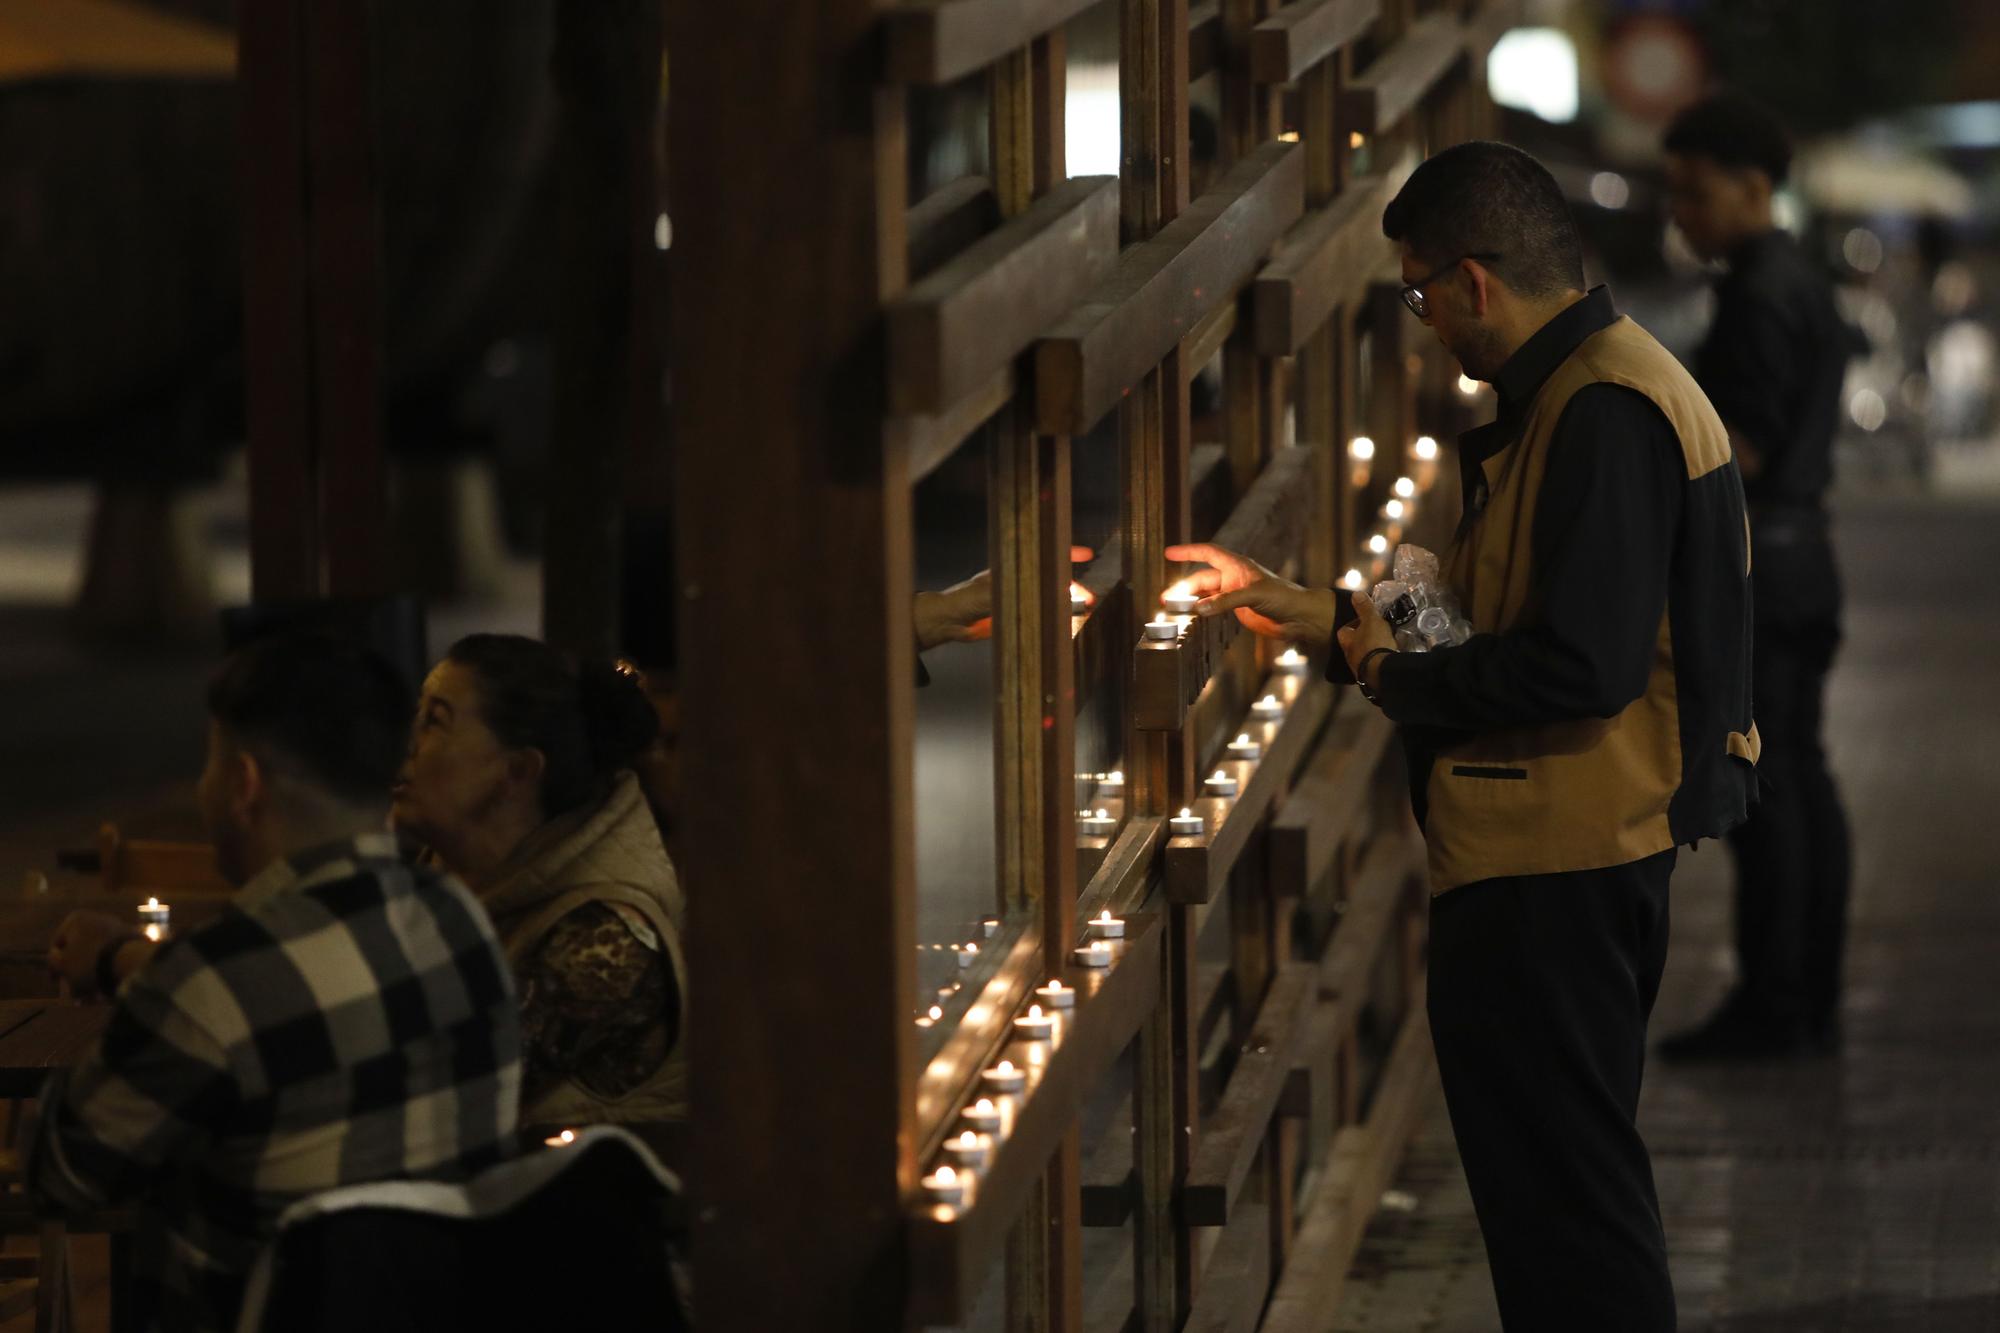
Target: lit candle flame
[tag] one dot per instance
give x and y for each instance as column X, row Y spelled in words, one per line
column 1405, row 487
column 1427, row 448
column 1115, row 775
column 1352, row 579
column 1034, row 1011
column 1268, row 701
column 1361, row 448
column 984, row 1106
column 1004, row 1067
column 1105, row 916
column 1394, row 509
column 1186, row 812
column 936, row 1013
column 1378, row 544
column 968, row 1140
column 946, row 1176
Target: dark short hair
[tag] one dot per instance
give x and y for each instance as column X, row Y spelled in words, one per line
column 1483, row 198
column 588, row 717
column 327, row 712
column 1732, row 131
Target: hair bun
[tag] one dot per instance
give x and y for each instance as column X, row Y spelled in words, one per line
column 619, row 720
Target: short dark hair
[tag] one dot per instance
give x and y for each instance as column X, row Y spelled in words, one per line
column 1732, row 131
column 589, row 717
column 328, row 712
column 1483, row 198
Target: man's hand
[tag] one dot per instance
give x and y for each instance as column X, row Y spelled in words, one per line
column 1367, row 633
column 1269, row 605
column 79, row 940
column 963, row 613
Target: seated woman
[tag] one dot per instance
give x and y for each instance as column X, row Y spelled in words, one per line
column 519, row 780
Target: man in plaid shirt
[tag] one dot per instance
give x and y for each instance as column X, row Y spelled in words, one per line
column 346, row 1018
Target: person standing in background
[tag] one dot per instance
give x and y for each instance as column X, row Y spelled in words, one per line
column 1772, row 364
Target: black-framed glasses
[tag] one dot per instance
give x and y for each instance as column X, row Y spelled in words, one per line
column 1413, row 293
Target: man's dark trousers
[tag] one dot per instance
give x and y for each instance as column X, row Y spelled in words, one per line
column 1540, row 987
column 1792, row 857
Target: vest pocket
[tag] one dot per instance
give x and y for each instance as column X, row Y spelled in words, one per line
column 1489, row 773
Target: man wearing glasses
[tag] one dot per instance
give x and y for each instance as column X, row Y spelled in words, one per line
column 1598, row 719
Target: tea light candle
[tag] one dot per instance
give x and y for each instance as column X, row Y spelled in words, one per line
column 1393, row 511
column 968, row 1151
column 562, row 1140
column 1034, row 1025
column 1097, row 953
column 1468, row 385
column 1187, row 824
column 1292, row 662
column 1112, row 783
column 1378, row 544
column 1097, row 823
column 983, row 1116
column 154, row 916
column 1220, row 784
column 1361, row 449
column 1426, row 449
column 1055, row 995
column 1005, row 1077
column 989, row 926
column 930, row 1016
column 1180, row 599
column 945, row 1186
column 1351, row 580
column 1079, row 598
column 1267, row 709
column 1405, row 488
column 1244, row 748
column 968, row 954
column 1105, row 926
column 1162, row 630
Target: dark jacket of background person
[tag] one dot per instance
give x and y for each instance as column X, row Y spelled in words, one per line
column 347, row 1018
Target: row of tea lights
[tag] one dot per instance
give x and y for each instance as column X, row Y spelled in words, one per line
column 968, row 1152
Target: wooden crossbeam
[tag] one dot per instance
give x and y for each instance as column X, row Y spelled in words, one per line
column 926, row 440
column 1204, row 39
column 1162, row 287
column 1236, row 1277
column 951, row 1253
column 947, row 220
column 1206, row 338
column 968, row 320
column 933, row 42
column 1360, row 1167
column 1323, row 264
column 1231, row 1137
column 1268, row 526
column 1305, row 32
column 1198, row 866
column 1329, row 798
column 1387, row 90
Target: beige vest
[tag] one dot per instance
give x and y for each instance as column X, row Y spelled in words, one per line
column 1585, row 794
column 607, row 853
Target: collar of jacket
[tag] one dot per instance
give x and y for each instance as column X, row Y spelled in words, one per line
column 1536, row 359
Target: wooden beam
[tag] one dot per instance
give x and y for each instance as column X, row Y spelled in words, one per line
column 948, row 220
column 933, row 42
column 1323, row 264
column 1380, row 96
column 1330, row 798
column 969, row 320
column 1361, row 1166
column 1236, row 1279
column 1198, row 866
column 779, row 428
column 1162, row 287
column 1205, row 339
column 1232, row 1136
column 1269, row 527
column 1304, row 33
column 924, row 442
column 951, row 1251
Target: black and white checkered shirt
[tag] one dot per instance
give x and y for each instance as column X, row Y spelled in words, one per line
column 347, row 1018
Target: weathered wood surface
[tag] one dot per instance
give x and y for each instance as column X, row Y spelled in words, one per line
column 1162, row 287
column 1323, row 264
column 1304, row 33
column 1380, row 96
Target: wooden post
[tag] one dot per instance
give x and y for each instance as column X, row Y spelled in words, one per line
column 607, row 75
column 312, row 301
column 795, row 560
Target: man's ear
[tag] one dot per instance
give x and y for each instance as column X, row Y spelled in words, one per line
column 249, row 783
column 1478, row 291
